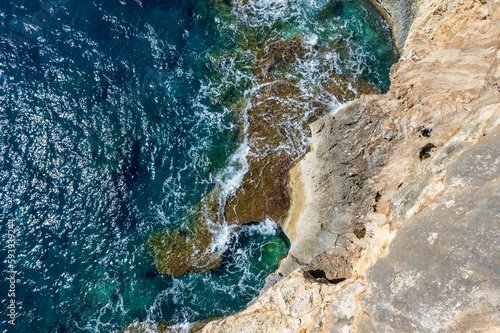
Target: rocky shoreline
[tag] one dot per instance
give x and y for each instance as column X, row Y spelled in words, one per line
column 395, row 210
column 292, row 82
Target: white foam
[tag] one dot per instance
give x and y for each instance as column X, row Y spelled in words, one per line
column 222, row 236
column 231, row 177
column 335, row 107
column 311, row 39
column 267, row 228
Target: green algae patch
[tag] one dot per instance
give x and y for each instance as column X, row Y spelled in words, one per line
column 274, row 58
column 180, row 252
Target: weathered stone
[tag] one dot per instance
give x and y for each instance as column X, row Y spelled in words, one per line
column 330, row 268
column 400, row 15
column 330, row 199
column 164, row 327
column 281, row 309
column 271, row 280
column 444, row 261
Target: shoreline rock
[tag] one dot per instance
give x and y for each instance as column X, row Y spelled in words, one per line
column 419, row 170
column 264, row 192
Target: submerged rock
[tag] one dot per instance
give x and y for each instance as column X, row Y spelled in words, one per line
column 179, row 252
column 277, row 56
column 188, row 250
column 279, row 115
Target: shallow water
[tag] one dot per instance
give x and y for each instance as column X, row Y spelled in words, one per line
column 116, row 118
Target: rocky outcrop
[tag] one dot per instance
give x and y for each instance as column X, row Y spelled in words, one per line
column 395, row 216
column 400, row 15
column 264, row 190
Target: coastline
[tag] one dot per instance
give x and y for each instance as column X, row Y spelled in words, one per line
column 410, row 168
column 390, row 22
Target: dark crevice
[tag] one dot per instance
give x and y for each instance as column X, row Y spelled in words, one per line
column 425, row 132
column 319, row 274
column 425, row 152
column 360, row 233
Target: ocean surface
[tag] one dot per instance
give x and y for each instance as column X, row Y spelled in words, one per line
column 116, row 118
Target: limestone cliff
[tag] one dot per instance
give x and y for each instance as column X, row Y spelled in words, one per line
column 395, row 217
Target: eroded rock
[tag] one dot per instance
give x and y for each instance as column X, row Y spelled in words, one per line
column 331, row 268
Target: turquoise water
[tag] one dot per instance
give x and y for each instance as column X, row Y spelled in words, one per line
column 116, row 117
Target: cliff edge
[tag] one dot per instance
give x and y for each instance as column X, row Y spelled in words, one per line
column 395, row 217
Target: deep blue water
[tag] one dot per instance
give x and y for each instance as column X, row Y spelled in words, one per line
column 116, row 117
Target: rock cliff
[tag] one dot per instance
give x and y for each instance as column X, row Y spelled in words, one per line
column 395, row 216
